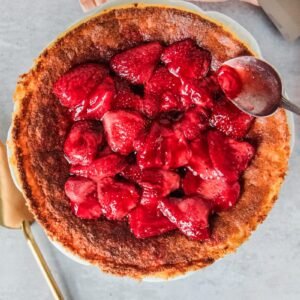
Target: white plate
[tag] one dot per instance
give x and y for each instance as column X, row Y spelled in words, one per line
column 217, row 17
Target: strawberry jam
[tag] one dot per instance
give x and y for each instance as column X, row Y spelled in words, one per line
column 229, row 81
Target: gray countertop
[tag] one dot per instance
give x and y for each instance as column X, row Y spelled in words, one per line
column 265, row 267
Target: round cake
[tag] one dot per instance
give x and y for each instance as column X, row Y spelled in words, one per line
column 41, row 125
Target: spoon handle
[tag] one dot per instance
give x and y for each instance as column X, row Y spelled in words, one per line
column 290, row 106
column 41, row 261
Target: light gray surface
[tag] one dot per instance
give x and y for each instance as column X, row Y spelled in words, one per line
column 266, row 267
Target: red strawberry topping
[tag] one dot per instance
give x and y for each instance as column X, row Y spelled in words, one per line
column 200, row 162
column 117, row 198
column 193, row 122
column 229, row 81
column 75, row 86
column 133, row 173
column 192, row 92
column 229, row 157
column 146, row 221
column 185, row 59
column 190, row 215
column 82, row 193
column 105, row 166
column 82, row 142
column 78, row 188
column 89, row 209
column 222, row 193
column 180, row 154
column 122, row 128
column 165, row 86
column 126, row 99
column 161, row 82
column 100, row 100
column 170, row 102
column 210, row 83
column 149, row 149
column 150, row 106
column 172, row 148
column 155, row 183
column 227, row 118
column 154, row 149
column 137, row 64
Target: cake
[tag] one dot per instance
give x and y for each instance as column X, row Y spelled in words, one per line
column 41, row 125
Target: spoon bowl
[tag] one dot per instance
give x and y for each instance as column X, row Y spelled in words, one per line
column 261, row 92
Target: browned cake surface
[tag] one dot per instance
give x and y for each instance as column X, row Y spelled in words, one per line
column 40, row 125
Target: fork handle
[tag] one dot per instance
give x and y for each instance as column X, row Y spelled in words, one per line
column 41, row 261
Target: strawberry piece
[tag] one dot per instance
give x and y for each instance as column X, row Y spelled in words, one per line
column 150, row 106
column 133, row 173
column 149, row 149
column 170, row 102
column 193, row 122
column 176, row 150
column 126, row 99
column 89, row 209
column 82, row 193
column 121, row 129
column 100, row 101
column 117, row 198
column 153, row 190
column 190, row 215
column 185, row 59
column 200, row 162
column 164, row 86
column 193, row 93
column 137, row 64
column 156, row 183
column 153, row 151
column 229, row 81
column 75, row 86
column 97, row 103
column 154, row 100
column 162, row 81
column 78, row 113
column 105, row 151
column 210, row 83
column 222, row 193
column 229, row 157
column 105, row 166
column 185, row 99
column 78, row 188
column 146, row 221
column 190, row 183
column 227, row 118
column 82, row 142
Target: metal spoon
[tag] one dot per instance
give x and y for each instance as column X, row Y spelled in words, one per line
column 261, row 93
column 15, row 215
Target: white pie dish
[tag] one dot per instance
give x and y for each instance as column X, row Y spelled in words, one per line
column 219, row 18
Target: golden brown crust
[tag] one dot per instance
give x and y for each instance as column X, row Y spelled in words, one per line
column 40, row 126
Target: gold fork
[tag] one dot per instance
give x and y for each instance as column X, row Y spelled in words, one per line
column 15, row 215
